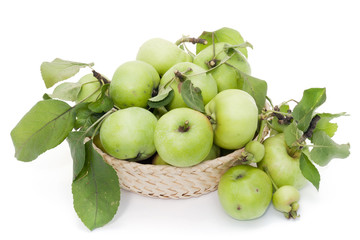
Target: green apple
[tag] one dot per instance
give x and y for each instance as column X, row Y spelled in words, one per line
column 214, row 153
column 183, row 137
column 235, row 117
column 285, row 200
column 157, row 160
column 89, row 86
column 129, row 134
column 224, row 34
column 227, row 77
column 162, row 54
column 282, row 167
column 200, row 79
column 245, row 192
column 256, row 151
column 133, row 84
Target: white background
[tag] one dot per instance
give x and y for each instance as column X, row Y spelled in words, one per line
column 297, row 45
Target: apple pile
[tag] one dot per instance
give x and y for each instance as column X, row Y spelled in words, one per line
column 172, row 106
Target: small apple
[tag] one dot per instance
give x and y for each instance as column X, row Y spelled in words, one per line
column 235, row 117
column 226, row 76
column 214, row 153
column 224, row 34
column 129, row 134
column 157, row 160
column 256, row 150
column 282, row 167
column 285, row 200
column 183, row 137
column 245, row 192
column 89, row 86
column 133, row 84
column 200, row 79
column 162, row 54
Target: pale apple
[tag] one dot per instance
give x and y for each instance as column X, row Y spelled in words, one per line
column 226, row 76
column 90, row 89
column 235, row 117
column 162, row 54
column 245, row 192
column 129, row 134
column 183, row 137
column 285, row 199
column 282, row 167
column 200, row 79
column 225, row 34
column 133, row 84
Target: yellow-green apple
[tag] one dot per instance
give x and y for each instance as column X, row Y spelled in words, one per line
column 225, row 75
column 198, row 77
column 285, row 199
column 133, row 84
column 89, row 86
column 162, row 54
column 129, row 134
column 281, row 163
column 183, row 137
column 225, row 34
column 235, row 117
column 245, row 192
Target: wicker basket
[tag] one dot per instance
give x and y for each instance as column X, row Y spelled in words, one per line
column 169, row 182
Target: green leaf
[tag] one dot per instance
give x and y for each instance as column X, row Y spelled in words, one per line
column 257, row 88
column 59, row 70
column 192, row 96
column 309, row 171
column 292, row 134
column 96, row 191
column 304, row 110
column 67, row 91
column 104, row 103
column 77, row 149
column 326, row 149
column 44, row 127
column 224, row 34
column 162, row 99
column 325, row 125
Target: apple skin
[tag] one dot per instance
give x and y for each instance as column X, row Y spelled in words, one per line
column 89, row 85
column 285, row 198
column 183, row 145
column 133, row 83
column 214, row 153
column 245, row 192
column 129, row 134
column 256, row 149
column 225, row 76
column 282, row 168
column 204, row 81
column 157, row 160
column 224, row 34
column 236, row 118
column 162, row 54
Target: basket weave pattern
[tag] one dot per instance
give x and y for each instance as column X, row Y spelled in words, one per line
column 164, row 181
column 169, row 182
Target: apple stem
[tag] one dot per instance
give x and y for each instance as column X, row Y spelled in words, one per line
column 191, row 40
column 185, row 127
column 100, row 78
column 181, row 75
